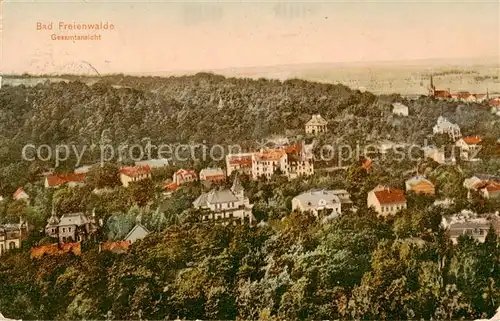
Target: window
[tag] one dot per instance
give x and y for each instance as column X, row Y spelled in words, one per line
column 64, row 230
column 69, row 229
column 12, row 245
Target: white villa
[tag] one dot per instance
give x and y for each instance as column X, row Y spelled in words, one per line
column 470, row 224
column 444, row 126
column 399, row 109
column 316, row 125
column 226, row 206
column 11, row 236
column 322, row 201
column 469, row 147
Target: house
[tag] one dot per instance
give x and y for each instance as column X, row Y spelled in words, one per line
column 138, row 232
column 20, row 194
column 226, row 206
column 300, row 160
column 469, row 147
column 325, row 202
column 420, row 185
column 212, row 175
column 434, row 153
column 386, row 200
column 399, row 109
column 487, row 185
column 134, row 174
column 239, row 162
column 183, row 176
column 153, row 163
column 11, row 236
column 70, row 180
column 444, row 126
column 470, row 224
column 316, row 125
column 491, row 190
column 70, row 227
column 266, row 162
column 479, row 98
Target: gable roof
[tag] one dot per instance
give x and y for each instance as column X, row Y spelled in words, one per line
column 137, row 226
column 442, row 94
column 134, row 171
column 317, row 120
column 208, row 172
column 389, row 195
column 61, row 179
column 243, row 160
column 77, row 219
column 185, row 172
column 472, row 140
column 270, row 155
column 19, row 192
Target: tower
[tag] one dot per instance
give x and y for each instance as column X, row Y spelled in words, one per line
column 238, row 189
column 432, row 88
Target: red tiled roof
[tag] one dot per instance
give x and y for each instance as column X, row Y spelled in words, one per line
column 242, row 161
column 472, row 140
column 495, row 102
column 18, row 192
column 60, row 179
column 463, row 94
column 184, row 172
column 442, row 94
column 367, row 164
column 390, row 196
column 270, row 155
column 296, row 148
column 134, row 171
column 493, row 187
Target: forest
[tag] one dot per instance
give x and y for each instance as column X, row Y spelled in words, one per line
column 288, row 266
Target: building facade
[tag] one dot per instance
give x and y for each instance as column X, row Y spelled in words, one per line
column 386, row 200
column 322, row 202
column 11, row 236
column 399, row 109
column 241, row 163
column 316, row 125
column 71, row 227
column 226, row 206
column 267, row 162
column 134, row 174
column 212, row 175
column 420, row 185
column 444, row 126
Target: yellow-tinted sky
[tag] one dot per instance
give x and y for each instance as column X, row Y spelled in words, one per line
column 153, row 36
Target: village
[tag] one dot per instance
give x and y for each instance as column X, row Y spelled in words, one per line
column 294, row 161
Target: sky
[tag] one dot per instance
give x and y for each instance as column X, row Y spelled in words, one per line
column 156, row 36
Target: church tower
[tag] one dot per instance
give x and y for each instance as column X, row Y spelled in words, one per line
column 432, row 88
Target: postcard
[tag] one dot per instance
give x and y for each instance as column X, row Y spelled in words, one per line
column 249, row 160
